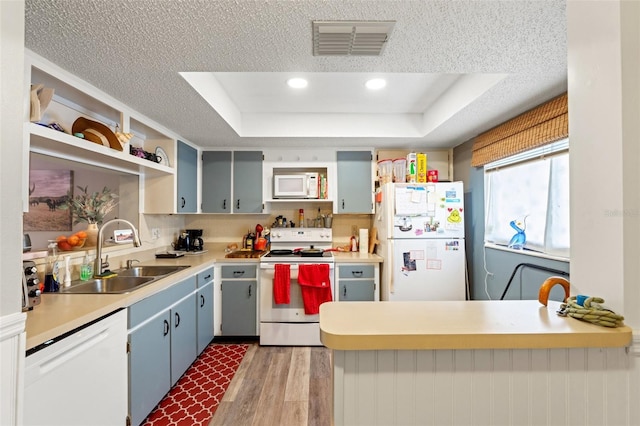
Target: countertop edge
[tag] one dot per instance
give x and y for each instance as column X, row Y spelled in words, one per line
column 471, row 341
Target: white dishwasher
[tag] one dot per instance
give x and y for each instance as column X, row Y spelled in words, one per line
column 79, row 378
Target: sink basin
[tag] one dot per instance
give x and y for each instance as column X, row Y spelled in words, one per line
column 108, row 285
column 125, row 281
column 149, row 271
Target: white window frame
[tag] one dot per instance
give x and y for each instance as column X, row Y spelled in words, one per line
column 496, row 235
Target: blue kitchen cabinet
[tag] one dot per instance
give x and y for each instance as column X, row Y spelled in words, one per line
column 216, row 182
column 239, row 300
column 355, row 182
column 162, row 345
column 247, row 181
column 183, row 337
column 204, row 299
column 187, row 179
column 149, row 366
column 232, row 182
column 357, row 282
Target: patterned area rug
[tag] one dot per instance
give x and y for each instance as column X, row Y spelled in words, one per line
column 194, row 399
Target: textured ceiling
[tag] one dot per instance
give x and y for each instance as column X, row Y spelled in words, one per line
column 134, row 50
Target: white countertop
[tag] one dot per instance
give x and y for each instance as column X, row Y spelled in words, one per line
column 476, row 324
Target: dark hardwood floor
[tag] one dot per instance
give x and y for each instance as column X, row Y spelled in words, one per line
column 284, row 386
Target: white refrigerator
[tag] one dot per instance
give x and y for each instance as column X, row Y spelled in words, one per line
column 421, row 238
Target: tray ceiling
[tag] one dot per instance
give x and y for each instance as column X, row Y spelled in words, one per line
column 454, row 69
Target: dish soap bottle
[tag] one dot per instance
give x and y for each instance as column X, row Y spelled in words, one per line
column 51, row 276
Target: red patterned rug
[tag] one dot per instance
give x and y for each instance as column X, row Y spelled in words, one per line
column 194, row 399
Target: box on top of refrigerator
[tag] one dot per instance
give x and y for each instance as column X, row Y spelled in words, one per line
column 421, row 166
column 412, row 172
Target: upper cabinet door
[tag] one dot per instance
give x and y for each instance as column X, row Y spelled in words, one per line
column 355, row 183
column 187, row 179
column 247, row 182
column 216, row 182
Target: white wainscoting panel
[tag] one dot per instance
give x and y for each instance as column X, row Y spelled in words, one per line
column 12, row 355
column 590, row 386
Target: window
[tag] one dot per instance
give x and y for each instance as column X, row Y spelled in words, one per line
column 529, row 192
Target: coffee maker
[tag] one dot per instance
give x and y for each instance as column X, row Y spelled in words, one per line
column 194, row 240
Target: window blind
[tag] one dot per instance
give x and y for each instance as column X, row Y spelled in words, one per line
column 539, row 126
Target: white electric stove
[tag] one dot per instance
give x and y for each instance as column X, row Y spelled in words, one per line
column 287, row 324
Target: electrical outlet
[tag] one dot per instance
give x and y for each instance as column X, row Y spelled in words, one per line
column 155, row 233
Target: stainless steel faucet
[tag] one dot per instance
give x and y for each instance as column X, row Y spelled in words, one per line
column 98, row 266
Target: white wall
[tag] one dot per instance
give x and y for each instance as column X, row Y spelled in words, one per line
column 11, row 173
column 604, row 112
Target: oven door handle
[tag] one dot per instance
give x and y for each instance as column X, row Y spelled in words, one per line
column 271, row 272
column 293, row 267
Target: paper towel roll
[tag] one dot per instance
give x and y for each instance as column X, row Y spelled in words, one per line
column 364, row 241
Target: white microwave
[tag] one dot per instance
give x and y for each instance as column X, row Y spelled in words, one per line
column 296, row 185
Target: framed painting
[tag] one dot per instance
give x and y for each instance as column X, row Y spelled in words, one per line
column 48, row 190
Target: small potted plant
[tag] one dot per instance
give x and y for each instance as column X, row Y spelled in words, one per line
column 91, row 208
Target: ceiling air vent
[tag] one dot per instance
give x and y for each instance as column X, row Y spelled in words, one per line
column 356, row 38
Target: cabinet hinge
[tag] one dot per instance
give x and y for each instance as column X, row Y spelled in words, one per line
column 128, row 347
column 372, row 157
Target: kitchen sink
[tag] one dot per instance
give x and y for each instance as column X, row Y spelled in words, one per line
column 126, row 280
column 108, row 285
column 149, row 271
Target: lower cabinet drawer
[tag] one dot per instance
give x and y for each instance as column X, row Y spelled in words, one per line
column 356, row 271
column 238, row 271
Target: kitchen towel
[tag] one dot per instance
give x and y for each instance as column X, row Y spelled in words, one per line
column 281, row 284
column 315, row 286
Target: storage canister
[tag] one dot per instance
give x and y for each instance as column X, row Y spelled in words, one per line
column 400, row 170
column 385, row 171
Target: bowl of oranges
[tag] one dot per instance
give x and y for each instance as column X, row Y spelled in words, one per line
column 72, row 242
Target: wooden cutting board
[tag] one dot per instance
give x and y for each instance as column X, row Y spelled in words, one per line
column 245, row 254
column 373, row 239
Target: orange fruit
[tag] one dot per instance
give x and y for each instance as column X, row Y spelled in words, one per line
column 81, row 234
column 73, row 240
column 64, row 245
column 61, row 238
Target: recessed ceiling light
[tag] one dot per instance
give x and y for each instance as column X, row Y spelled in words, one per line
column 297, row 83
column 375, row 84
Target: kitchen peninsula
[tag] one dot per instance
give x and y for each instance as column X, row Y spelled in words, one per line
column 480, row 362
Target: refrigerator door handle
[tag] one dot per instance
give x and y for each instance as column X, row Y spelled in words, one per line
column 391, row 266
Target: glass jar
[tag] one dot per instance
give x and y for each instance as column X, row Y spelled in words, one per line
column 52, row 269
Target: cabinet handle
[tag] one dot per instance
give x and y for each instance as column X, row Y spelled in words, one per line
column 343, row 204
column 238, row 273
column 224, row 204
column 184, row 202
column 166, row 327
column 207, row 277
column 357, row 273
column 177, row 319
column 344, row 291
column 201, row 300
column 238, row 204
column 249, row 290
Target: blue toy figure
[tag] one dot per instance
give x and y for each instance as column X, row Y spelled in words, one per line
column 519, row 239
